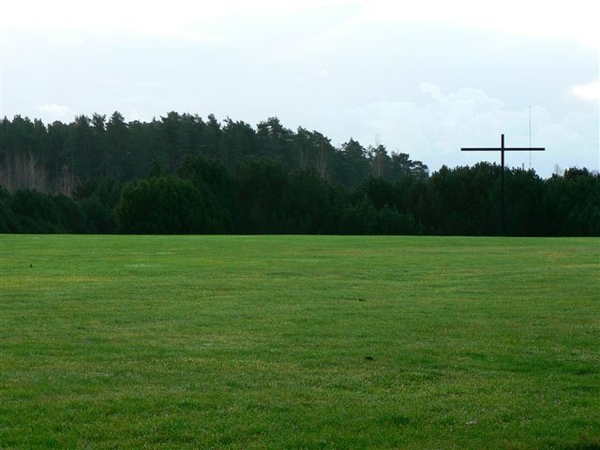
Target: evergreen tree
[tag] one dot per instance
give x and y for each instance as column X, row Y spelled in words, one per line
column 262, row 203
column 161, row 205
column 119, row 157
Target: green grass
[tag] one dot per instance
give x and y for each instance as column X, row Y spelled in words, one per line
column 245, row 342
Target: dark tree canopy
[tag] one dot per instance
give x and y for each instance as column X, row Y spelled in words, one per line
column 184, row 174
column 161, row 205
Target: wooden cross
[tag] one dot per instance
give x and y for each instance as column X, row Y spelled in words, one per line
column 502, row 149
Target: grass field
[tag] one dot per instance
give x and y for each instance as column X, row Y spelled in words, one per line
column 246, row 342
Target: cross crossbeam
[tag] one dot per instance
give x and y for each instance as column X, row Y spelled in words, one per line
column 502, row 149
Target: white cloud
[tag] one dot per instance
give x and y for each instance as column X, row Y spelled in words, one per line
column 183, row 19
column 190, row 19
column 575, row 19
column 51, row 112
column 588, row 91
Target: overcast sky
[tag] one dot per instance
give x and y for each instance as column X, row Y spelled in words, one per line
column 424, row 78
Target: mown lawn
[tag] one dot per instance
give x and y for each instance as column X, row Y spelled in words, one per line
column 247, row 342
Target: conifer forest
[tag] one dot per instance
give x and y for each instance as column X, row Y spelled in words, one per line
column 182, row 174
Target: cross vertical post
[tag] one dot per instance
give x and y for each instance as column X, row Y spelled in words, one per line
column 502, row 204
column 502, row 149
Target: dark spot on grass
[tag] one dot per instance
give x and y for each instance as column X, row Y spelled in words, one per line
column 369, row 358
column 476, row 356
column 584, row 446
column 585, row 371
column 582, row 388
column 395, row 420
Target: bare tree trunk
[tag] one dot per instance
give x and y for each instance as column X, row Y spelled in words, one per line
column 322, row 162
column 66, row 183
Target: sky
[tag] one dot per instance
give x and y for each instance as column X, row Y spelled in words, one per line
column 424, row 78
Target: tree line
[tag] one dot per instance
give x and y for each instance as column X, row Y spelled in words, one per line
column 60, row 156
column 185, row 175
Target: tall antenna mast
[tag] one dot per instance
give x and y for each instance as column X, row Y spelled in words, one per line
column 1, row 80
column 529, row 137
